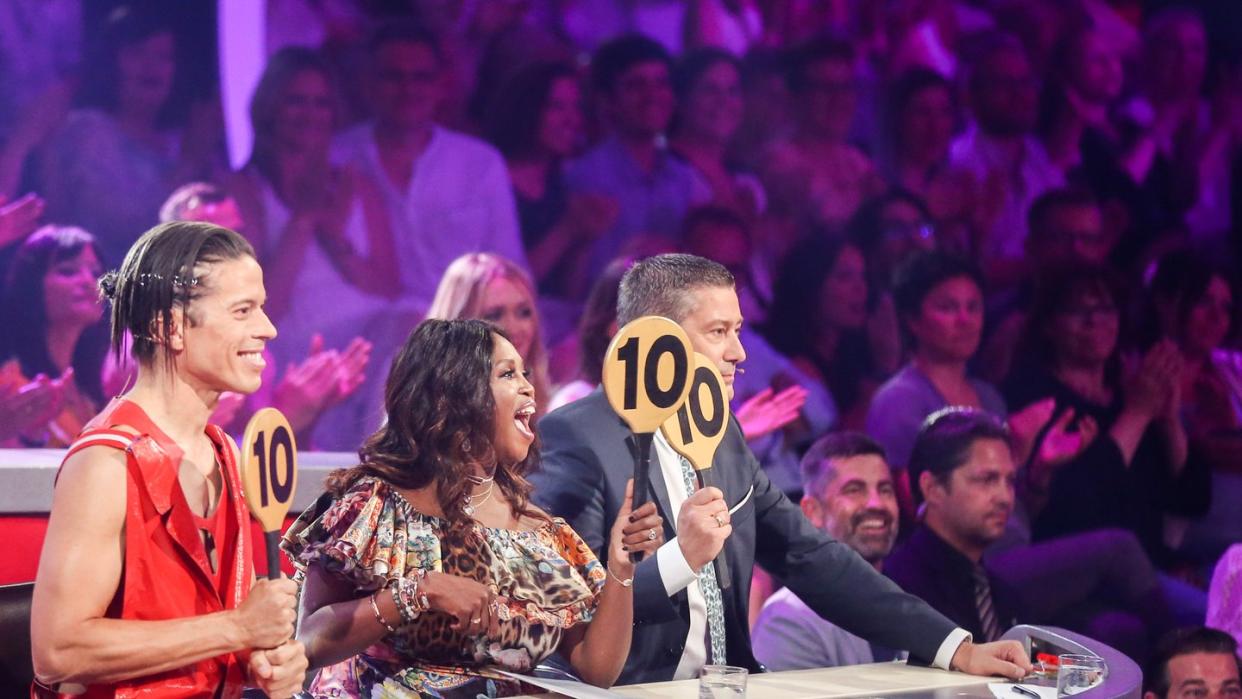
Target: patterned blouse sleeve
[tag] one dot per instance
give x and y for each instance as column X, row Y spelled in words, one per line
column 579, row 555
column 364, row 536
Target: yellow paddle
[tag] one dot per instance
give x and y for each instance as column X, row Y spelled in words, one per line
column 269, row 476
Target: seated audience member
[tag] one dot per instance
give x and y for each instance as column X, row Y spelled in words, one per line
column 1192, row 302
column 488, row 287
column 964, row 476
column 817, row 167
column 312, row 385
column 780, row 406
column 1138, row 471
column 888, row 229
column 536, row 122
column 1194, row 663
column 1225, row 594
column 819, row 318
column 595, row 330
column 708, row 83
column 1065, row 228
column 1002, row 155
column 55, row 339
column 919, row 120
column 848, row 492
column 939, row 302
column 321, row 230
column 1084, row 82
column 445, row 193
column 1180, row 148
column 426, row 571
column 653, row 189
column 118, row 156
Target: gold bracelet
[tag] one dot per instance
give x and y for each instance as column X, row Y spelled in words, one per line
column 628, row 582
column 375, row 609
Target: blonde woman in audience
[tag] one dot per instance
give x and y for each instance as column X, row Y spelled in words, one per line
column 492, row 288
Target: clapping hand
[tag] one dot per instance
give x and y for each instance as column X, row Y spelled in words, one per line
column 324, row 379
column 19, row 218
column 29, row 407
column 768, row 411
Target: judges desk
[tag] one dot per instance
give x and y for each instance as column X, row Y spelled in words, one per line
column 1124, row 679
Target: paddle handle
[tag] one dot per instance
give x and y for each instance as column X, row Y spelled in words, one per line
column 272, row 541
column 707, row 478
column 642, row 476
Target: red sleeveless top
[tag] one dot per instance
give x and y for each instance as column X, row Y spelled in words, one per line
column 166, row 573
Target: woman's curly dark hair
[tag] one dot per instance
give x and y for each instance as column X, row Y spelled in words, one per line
column 441, row 421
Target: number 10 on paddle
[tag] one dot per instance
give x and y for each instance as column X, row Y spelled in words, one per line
column 647, row 372
column 696, row 430
column 270, row 476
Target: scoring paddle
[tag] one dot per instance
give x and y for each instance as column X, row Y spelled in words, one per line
column 696, row 430
column 269, row 469
column 646, row 377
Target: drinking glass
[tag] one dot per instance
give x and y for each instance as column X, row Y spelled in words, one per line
column 1078, row 673
column 722, row 682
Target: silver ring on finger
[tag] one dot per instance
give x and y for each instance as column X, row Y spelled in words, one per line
column 651, row 534
column 476, row 620
column 719, row 520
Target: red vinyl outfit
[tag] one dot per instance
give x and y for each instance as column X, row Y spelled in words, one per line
column 166, row 573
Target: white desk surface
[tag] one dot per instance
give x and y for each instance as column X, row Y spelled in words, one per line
column 875, row 680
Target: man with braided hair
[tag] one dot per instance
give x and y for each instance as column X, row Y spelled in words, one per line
column 146, row 584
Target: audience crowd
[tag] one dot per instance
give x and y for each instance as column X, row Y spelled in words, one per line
column 987, row 253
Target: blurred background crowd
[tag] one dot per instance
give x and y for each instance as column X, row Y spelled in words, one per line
column 1028, row 207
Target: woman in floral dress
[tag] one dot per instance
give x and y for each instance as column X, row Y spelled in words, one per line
column 426, row 571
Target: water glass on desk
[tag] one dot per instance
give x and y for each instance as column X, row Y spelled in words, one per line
column 722, row 682
column 1078, row 673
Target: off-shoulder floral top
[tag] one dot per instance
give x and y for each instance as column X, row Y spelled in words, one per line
column 371, row 535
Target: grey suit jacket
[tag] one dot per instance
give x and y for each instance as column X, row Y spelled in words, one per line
column 585, row 466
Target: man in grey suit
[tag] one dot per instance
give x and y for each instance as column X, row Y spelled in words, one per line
column 682, row 617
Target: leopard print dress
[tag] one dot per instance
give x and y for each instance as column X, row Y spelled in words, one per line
column 371, row 535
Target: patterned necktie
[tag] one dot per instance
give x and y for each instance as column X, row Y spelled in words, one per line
column 983, row 603
column 710, row 588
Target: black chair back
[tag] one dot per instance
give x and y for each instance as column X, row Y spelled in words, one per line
column 16, row 666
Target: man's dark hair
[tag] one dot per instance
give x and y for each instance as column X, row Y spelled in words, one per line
column 659, row 286
column 1038, row 216
column 695, row 63
column 824, row 48
column 619, row 55
column 817, row 468
column 944, row 442
column 1184, row 641
column 923, row 272
column 983, row 49
column 404, row 32
column 163, row 271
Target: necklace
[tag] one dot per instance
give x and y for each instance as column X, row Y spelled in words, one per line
column 470, row 506
column 480, row 480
